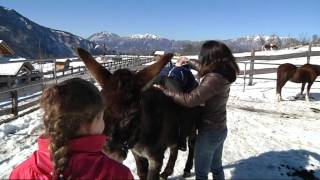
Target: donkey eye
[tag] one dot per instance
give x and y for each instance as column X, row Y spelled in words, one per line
column 125, row 122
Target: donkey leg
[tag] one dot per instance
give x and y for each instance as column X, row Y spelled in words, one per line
column 189, row 163
column 280, row 83
column 154, row 168
column 171, row 162
column 302, row 87
column 308, row 91
column 279, row 89
column 142, row 166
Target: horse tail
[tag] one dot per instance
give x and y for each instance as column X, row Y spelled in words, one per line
column 284, row 73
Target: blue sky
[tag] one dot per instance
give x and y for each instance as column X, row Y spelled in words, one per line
column 175, row 19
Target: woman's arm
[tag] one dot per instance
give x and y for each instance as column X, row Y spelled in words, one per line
column 208, row 88
column 194, row 64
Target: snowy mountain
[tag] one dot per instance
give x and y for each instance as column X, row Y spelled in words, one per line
column 144, row 36
column 133, row 44
column 100, row 37
column 31, row 40
column 147, row 43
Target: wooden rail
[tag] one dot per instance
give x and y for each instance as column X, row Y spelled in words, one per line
column 9, row 97
column 252, row 60
column 279, row 57
column 11, row 94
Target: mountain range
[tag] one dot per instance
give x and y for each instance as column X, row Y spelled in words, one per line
column 31, row 40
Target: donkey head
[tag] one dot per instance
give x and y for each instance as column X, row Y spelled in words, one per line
column 121, row 92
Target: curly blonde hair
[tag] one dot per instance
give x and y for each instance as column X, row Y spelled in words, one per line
column 67, row 106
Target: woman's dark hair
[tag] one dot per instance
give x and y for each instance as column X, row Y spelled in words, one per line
column 67, row 106
column 217, row 57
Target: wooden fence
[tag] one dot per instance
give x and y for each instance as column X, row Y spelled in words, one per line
column 12, row 104
column 15, row 99
column 253, row 60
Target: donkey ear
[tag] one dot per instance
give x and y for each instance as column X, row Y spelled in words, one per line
column 101, row 74
column 148, row 73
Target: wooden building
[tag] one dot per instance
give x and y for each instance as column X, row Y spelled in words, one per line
column 17, row 73
column 62, row 64
column 5, row 50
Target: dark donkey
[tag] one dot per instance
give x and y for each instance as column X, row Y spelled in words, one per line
column 304, row 74
column 147, row 122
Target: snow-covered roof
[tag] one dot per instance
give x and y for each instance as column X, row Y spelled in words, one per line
column 5, row 49
column 7, row 59
column 16, row 59
column 159, row 53
column 12, row 69
column 63, row 60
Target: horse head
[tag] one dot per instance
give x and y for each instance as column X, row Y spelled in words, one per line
column 121, row 91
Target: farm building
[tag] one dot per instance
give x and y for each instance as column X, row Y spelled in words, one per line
column 17, row 73
column 5, row 50
column 62, row 64
column 158, row 53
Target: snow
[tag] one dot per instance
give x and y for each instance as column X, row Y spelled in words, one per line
column 161, row 53
column 63, row 60
column 278, row 52
column 10, row 69
column 103, row 35
column 9, row 9
column 146, row 36
column 17, row 59
column 266, row 139
column 270, row 53
column 28, row 26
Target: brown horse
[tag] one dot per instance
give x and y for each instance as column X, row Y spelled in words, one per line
column 145, row 121
column 304, row 74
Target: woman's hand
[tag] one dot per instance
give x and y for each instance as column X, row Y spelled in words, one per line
column 159, row 87
column 182, row 61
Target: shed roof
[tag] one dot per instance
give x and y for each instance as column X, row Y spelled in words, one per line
column 5, row 49
column 12, row 69
column 159, row 53
column 64, row 60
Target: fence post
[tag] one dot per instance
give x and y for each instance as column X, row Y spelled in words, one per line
column 309, row 53
column 55, row 71
column 42, row 76
column 14, row 101
column 251, row 67
column 244, row 76
column 9, row 82
column 29, row 79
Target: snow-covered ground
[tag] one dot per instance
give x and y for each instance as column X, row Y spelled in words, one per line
column 266, row 139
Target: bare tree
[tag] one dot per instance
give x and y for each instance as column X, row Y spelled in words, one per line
column 315, row 38
column 303, row 38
